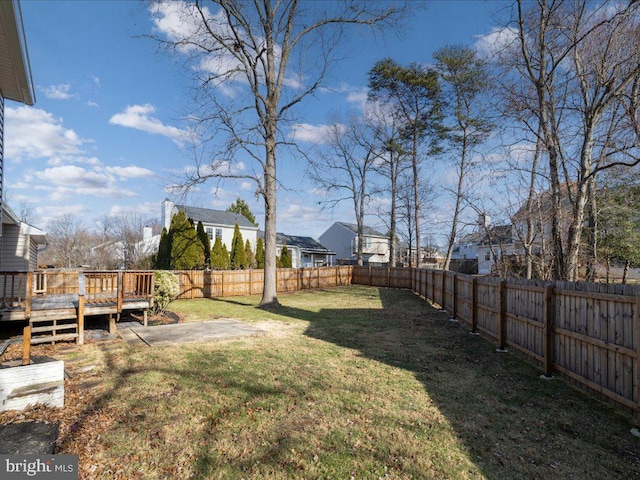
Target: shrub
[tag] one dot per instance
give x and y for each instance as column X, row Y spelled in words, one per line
column 165, row 290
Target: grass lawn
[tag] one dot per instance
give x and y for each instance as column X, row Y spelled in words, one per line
column 355, row 382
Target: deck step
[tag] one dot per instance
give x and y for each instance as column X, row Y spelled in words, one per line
column 53, row 338
column 51, row 328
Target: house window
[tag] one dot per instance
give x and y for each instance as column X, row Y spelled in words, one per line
column 487, row 255
column 219, row 233
column 209, row 231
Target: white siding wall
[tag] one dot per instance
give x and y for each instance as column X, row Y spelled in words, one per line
column 227, row 235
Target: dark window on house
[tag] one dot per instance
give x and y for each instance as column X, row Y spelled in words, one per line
column 219, row 233
column 209, row 231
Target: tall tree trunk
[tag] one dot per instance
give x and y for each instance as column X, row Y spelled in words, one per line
column 416, row 197
column 392, row 221
column 531, row 232
column 591, row 230
column 269, row 291
column 456, row 211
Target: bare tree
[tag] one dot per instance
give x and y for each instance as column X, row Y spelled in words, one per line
column 344, row 167
column 574, row 62
column 69, row 242
column 255, row 62
column 465, row 82
column 392, row 161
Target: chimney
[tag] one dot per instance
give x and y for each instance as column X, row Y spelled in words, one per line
column 147, row 233
column 167, row 213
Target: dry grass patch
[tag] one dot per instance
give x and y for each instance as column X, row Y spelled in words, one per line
column 355, row 382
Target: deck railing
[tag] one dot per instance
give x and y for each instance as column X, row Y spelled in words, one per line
column 14, row 288
column 98, row 287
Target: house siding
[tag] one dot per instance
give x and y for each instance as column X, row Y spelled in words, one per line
column 337, row 239
column 15, row 251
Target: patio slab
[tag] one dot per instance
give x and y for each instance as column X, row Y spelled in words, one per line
column 160, row 335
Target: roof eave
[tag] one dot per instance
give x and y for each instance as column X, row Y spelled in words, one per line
column 19, row 86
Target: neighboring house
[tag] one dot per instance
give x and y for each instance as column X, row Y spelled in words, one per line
column 115, row 254
column 20, row 243
column 488, row 246
column 304, row 251
column 342, row 238
column 216, row 223
column 15, row 84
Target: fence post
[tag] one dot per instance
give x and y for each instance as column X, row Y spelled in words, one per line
column 433, row 286
column 222, row 284
column 454, row 309
column 388, row 277
column 474, row 306
column 444, row 290
column 502, row 306
column 370, row 276
column 637, row 320
column 80, row 339
column 547, row 332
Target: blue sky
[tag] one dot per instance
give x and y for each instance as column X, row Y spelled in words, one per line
column 106, row 133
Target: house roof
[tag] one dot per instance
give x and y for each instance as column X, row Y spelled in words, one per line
column 10, row 217
column 365, row 230
column 498, row 235
column 305, row 244
column 215, row 217
column 15, row 72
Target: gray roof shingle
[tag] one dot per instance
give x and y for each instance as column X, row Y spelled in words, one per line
column 215, row 217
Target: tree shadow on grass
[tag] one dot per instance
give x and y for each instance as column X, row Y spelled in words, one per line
column 508, row 422
column 512, row 423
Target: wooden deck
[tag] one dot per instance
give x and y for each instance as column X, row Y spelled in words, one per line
column 48, row 296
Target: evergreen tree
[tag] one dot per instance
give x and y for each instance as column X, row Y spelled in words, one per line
column 206, row 244
column 238, row 257
column 241, row 207
column 248, row 253
column 285, row 258
column 226, row 257
column 186, row 248
column 219, row 256
column 162, row 260
column 260, row 253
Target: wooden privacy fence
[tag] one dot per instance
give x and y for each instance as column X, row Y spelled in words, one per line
column 229, row 283
column 586, row 331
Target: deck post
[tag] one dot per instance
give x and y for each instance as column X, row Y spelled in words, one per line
column 28, row 295
column 144, row 318
column 112, row 323
column 80, row 339
column 120, row 290
column 82, row 287
column 26, row 346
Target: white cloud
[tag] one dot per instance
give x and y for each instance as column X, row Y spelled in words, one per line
column 305, row 132
column 96, row 80
column 57, row 92
column 92, row 104
column 139, row 117
column 147, row 209
column 499, row 41
column 33, row 133
column 130, row 172
column 181, row 23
